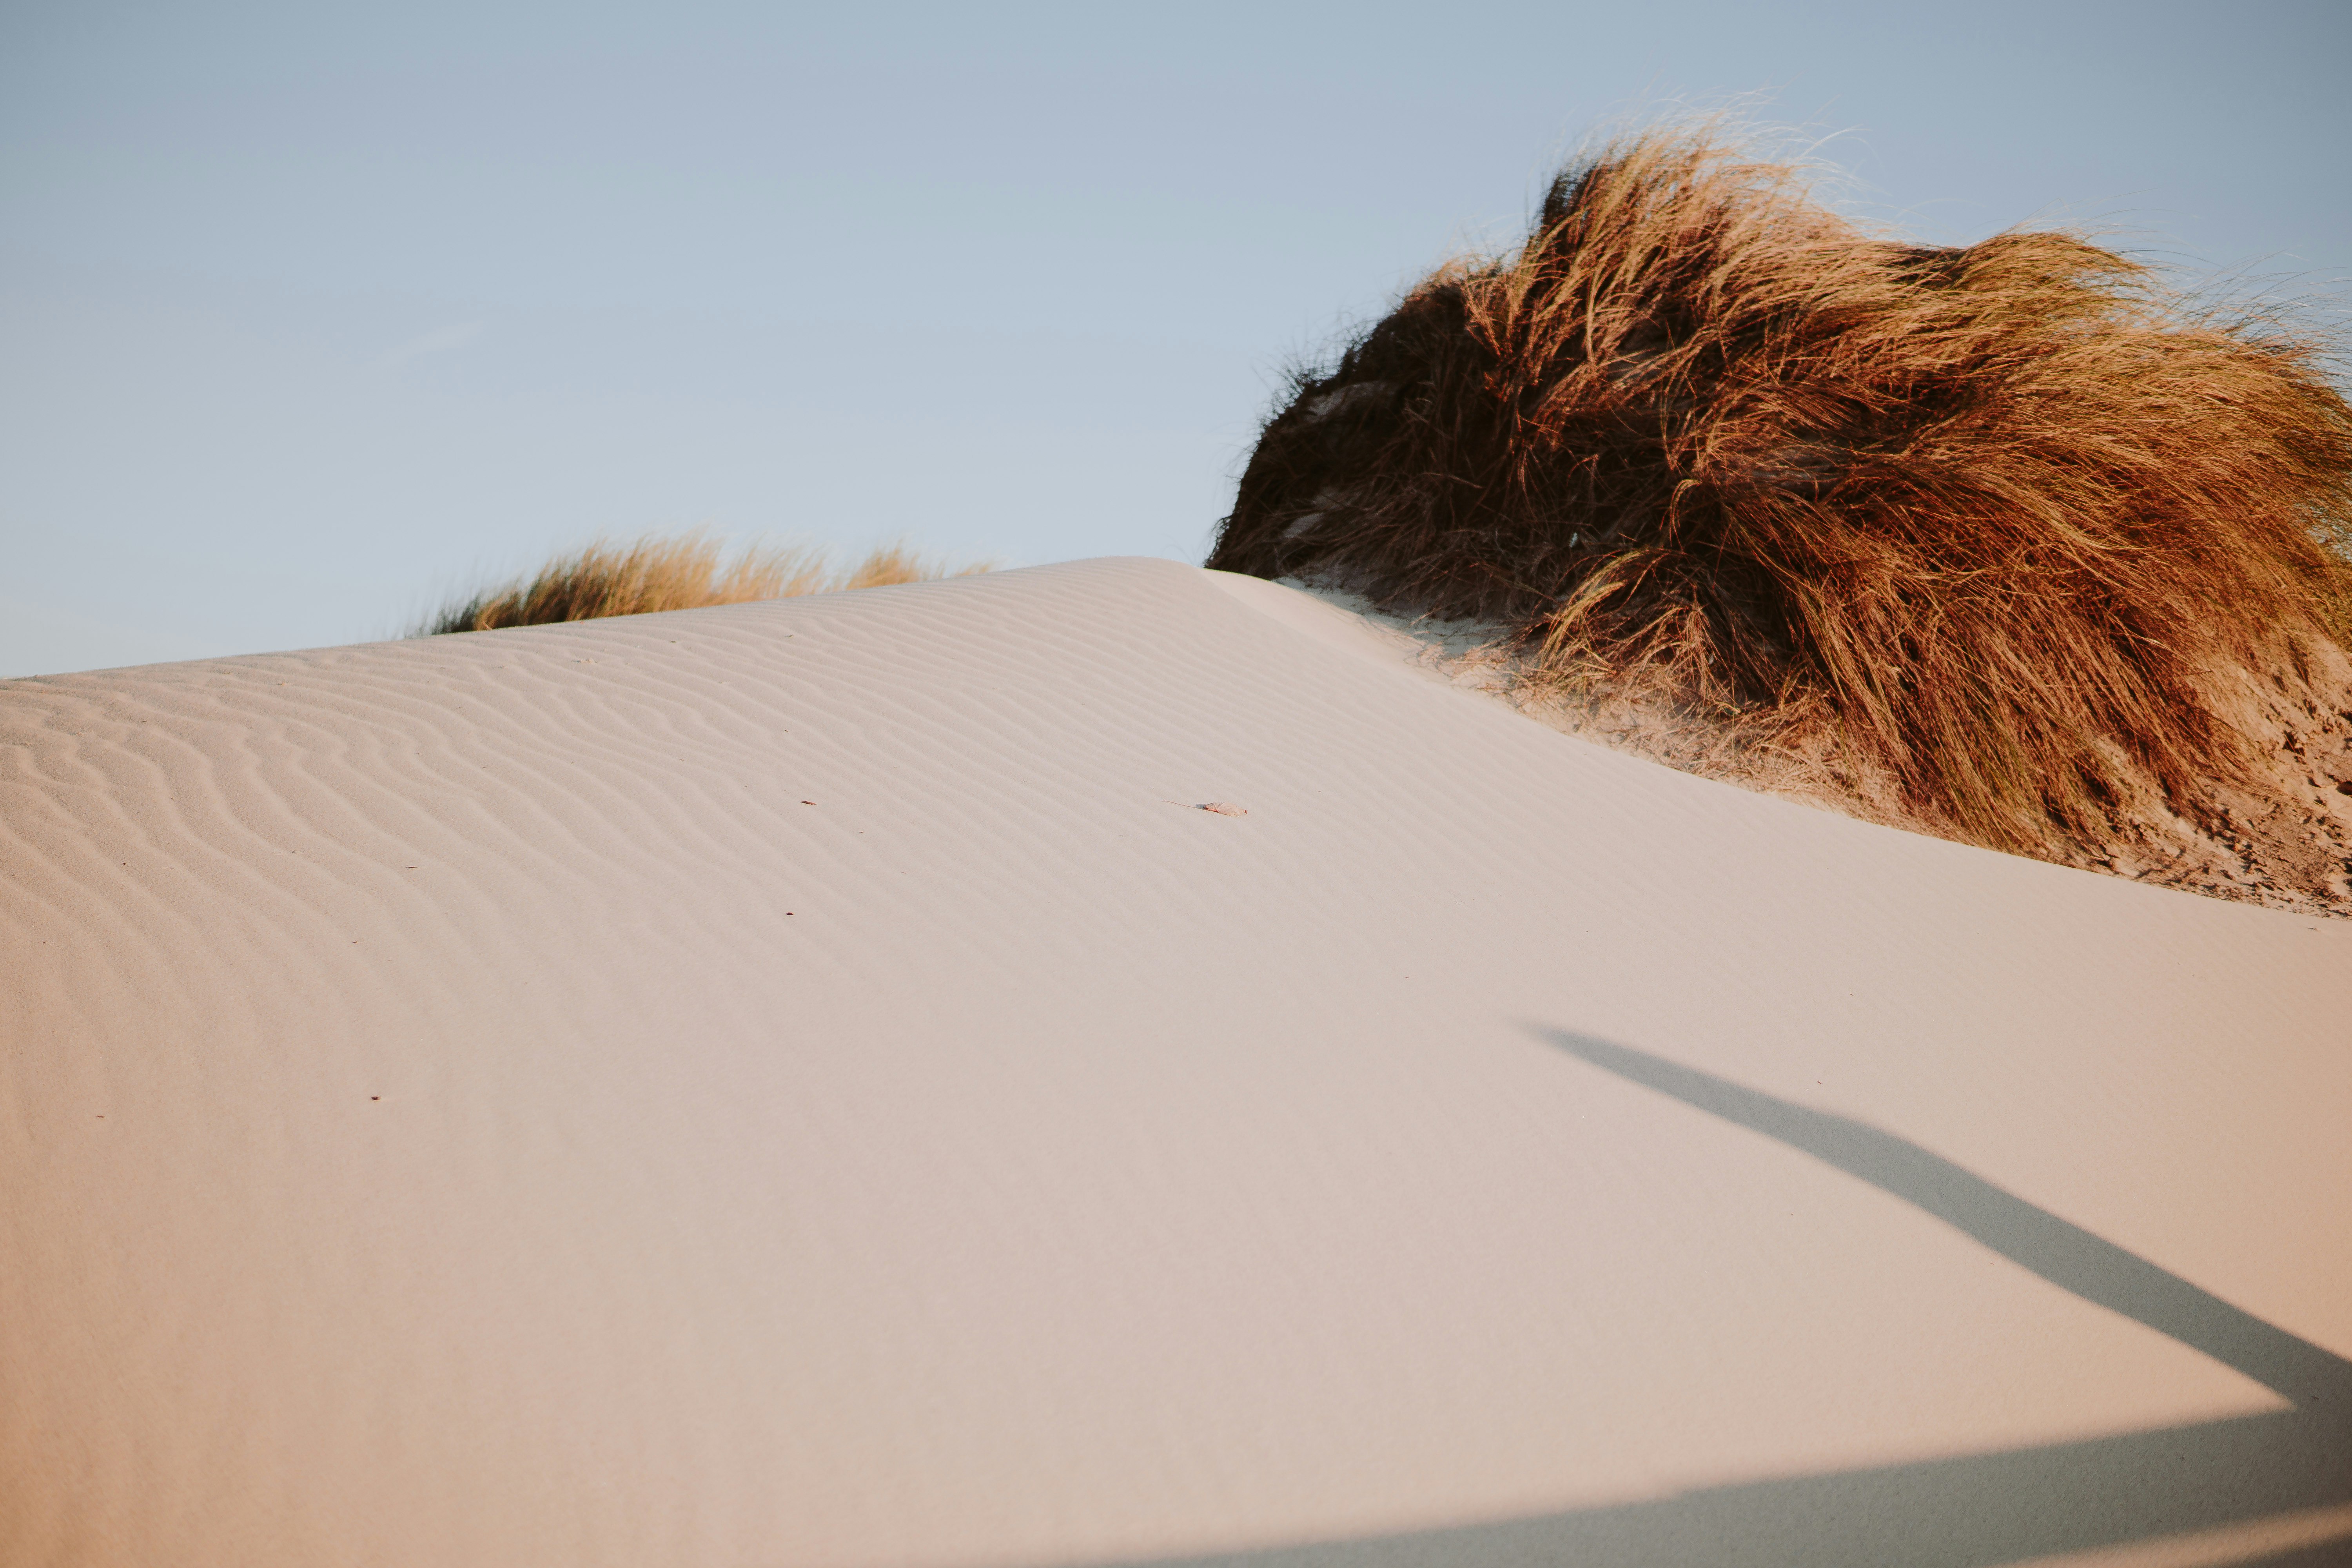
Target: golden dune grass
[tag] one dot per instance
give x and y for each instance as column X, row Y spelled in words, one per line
column 2012, row 523
column 683, row 571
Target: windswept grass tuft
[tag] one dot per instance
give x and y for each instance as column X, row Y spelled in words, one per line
column 2015, row 524
column 681, row 573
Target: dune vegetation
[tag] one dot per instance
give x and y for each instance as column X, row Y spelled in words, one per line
column 2020, row 532
column 681, row 571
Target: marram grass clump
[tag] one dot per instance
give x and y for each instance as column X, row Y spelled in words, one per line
column 683, row 571
column 2015, row 525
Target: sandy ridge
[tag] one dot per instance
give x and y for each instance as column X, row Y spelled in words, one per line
column 466, row 1108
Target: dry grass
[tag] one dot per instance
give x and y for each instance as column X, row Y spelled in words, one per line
column 2015, row 526
column 681, row 573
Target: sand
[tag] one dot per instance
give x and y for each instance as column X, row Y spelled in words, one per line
column 2280, row 837
column 802, row 1084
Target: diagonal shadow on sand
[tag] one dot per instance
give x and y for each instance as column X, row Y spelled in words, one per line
column 2065, row 1255
column 1967, row 1513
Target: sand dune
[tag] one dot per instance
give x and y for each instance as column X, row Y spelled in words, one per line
column 799, row 1084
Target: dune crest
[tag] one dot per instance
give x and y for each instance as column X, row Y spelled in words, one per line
column 782, row 1084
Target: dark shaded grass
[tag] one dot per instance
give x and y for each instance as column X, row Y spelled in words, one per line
column 2013, row 523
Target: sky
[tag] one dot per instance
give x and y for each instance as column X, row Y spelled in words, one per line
column 312, row 316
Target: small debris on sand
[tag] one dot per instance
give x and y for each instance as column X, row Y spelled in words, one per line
column 1224, row 808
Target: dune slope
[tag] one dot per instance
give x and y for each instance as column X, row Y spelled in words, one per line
column 803, row 1083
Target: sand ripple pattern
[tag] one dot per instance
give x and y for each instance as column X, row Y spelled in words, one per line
column 805, row 1083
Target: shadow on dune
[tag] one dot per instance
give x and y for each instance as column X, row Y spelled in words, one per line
column 1965, row 1513
column 2065, row 1255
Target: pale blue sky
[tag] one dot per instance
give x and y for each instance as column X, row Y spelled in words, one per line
column 310, row 313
